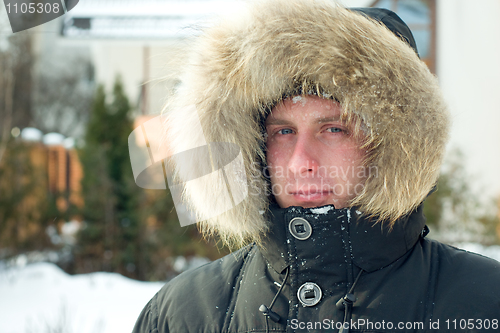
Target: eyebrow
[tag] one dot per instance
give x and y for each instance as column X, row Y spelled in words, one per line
column 271, row 121
column 328, row 120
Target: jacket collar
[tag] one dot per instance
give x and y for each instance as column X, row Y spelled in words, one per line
column 338, row 234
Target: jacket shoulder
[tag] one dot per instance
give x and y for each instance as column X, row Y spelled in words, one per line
column 475, row 266
column 467, row 284
column 195, row 298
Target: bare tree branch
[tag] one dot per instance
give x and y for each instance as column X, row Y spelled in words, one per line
column 63, row 97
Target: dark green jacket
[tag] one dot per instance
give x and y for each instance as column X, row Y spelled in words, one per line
column 407, row 283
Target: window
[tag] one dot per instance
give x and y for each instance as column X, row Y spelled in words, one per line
column 420, row 16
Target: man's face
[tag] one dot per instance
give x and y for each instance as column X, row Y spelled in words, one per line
column 313, row 157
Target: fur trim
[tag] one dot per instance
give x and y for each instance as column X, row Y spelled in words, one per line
column 245, row 64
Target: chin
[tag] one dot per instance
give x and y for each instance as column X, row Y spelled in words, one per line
column 289, row 202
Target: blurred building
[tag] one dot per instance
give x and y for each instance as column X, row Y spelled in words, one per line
column 55, row 157
column 143, row 41
column 65, row 173
column 40, row 189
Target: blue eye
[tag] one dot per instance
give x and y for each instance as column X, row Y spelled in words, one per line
column 285, row 131
column 334, row 129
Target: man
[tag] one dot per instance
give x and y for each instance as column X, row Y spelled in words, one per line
column 347, row 128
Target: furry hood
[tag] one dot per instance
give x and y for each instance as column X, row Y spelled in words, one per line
column 245, row 64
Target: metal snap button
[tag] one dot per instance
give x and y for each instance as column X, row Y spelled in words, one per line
column 300, row 228
column 309, row 294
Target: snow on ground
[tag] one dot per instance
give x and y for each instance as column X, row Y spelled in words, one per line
column 41, row 298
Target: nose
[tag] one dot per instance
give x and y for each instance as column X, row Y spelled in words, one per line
column 303, row 161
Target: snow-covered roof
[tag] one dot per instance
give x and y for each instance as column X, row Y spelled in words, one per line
column 136, row 19
column 53, row 139
column 31, row 134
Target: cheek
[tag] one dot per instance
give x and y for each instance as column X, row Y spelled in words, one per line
column 359, row 155
column 271, row 157
column 356, row 163
column 353, row 153
column 276, row 162
column 347, row 161
column 274, row 154
column 354, row 156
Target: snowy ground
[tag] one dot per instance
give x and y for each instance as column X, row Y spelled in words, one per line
column 41, row 298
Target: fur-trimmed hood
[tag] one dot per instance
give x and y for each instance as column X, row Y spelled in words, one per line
column 245, row 64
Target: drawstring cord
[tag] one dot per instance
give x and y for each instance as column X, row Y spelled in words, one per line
column 346, row 302
column 266, row 311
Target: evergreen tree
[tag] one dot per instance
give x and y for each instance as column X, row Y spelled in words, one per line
column 455, row 211
column 127, row 229
column 26, row 209
column 111, row 237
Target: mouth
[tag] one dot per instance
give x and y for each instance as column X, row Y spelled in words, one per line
column 311, row 195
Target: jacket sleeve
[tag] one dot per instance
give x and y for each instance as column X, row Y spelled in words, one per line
column 148, row 319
